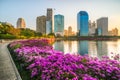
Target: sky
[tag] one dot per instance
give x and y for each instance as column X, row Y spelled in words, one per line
column 11, row 10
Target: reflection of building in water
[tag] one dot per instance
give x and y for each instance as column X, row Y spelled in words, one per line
column 58, row 45
column 113, row 47
column 83, row 47
column 101, row 48
column 92, row 49
column 70, row 47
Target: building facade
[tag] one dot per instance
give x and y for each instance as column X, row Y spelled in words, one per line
column 102, row 24
column 41, row 24
column 49, row 21
column 21, row 23
column 92, row 27
column 99, row 31
column 59, row 24
column 69, row 31
column 82, row 23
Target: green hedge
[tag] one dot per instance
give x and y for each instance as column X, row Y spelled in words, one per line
column 7, row 36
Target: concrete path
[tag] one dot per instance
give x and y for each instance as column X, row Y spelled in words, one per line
column 8, row 70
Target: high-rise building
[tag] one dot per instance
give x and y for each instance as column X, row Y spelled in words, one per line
column 49, row 21
column 82, row 23
column 102, row 24
column 59, row 24
column 21, row 23
column 41, row 24
column 92, row 27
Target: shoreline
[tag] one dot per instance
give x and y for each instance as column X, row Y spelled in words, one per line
column 72, row 38
column 88, row 38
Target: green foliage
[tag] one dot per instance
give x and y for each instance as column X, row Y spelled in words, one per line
column 16, row 46
column 7, row 36
column 38, row 34
column 7, row 31
column 51, row 35
column 27, row 32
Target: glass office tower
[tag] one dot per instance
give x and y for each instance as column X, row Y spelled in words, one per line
column 59, row 24
column 82, row 23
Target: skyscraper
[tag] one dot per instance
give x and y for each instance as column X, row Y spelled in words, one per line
column 59, row 24
column 92, row 27
column 82, row 23
column 41, row 24
column 21, row 23
column 102, row 24
column 49, row 22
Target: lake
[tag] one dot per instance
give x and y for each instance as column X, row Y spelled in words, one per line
column 92, row 48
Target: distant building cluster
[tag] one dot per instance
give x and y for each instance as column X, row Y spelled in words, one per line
column 50, row 24
column 113, row 32
column 85, row 27
column 69, row 32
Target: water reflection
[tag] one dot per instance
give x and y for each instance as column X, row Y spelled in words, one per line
column 101, row 48
column 59, row 45
column 83, row 47
column 92, row 48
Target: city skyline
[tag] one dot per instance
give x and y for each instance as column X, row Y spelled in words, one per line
column 11, row 10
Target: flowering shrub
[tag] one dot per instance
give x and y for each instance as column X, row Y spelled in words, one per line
column 45, row 63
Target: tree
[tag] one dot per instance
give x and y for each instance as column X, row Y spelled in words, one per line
column 27, row 32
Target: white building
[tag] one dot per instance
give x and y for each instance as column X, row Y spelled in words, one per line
column 92, row 27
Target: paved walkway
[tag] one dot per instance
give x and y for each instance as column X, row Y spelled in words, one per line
column 8, row 70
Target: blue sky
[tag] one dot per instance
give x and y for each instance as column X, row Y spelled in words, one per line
column 11, row 10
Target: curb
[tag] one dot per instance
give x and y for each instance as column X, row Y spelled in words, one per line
column 18, row 77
